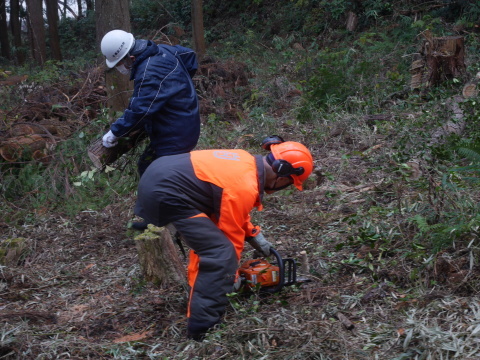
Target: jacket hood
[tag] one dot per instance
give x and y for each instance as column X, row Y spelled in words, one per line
column 149, row 49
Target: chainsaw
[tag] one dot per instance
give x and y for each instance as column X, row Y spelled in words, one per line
column 266, row 276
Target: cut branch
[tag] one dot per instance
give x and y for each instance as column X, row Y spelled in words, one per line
column 102, row 156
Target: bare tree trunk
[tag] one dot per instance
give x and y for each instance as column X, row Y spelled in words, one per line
column 36, row 30
column 4, row 43
column 16, row 31
column 52, row 16
column 110, row 15
column 79, row 5
column 70, row 10
column 197, row 26
column 64, row 10
column 90, row 6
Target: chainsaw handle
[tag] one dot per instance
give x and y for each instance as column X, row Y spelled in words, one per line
column 281, row 267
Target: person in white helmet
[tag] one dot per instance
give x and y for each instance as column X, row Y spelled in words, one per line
column 164, row 100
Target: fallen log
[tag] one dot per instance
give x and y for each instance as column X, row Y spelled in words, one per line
column 18, row 147
column 102, row 156
column 20, row 129
column 13, row 80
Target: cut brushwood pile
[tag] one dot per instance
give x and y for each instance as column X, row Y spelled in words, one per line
column 48, row 115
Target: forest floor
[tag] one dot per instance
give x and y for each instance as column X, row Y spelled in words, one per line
column 78, row 293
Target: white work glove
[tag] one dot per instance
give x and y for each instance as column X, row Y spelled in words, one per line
column 261, row 244
column 109, row 140
column 238, row 283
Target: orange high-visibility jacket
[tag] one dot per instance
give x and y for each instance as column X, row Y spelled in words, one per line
column 224, row 184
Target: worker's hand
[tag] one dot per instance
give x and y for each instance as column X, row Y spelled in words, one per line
column 261, row 244
column 109, row 140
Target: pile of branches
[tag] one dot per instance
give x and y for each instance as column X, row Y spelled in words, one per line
column 49, row 114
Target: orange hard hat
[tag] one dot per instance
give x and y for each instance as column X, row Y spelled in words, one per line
column 299, row 161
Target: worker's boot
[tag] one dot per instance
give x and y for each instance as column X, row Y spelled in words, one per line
column 139, row 225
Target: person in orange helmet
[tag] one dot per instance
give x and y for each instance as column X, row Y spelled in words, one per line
column 208, row 196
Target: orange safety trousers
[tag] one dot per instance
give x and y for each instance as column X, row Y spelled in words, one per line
column 211, row 271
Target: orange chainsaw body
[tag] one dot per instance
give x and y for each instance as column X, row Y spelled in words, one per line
column 259, row 272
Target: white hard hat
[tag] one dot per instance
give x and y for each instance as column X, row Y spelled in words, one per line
column 115, row 45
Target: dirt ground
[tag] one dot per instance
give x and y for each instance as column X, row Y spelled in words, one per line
column 78, row 293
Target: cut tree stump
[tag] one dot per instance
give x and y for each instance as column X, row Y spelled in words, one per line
column 102, row 156
column 441, row 58
column 158, row 258
column 471, row 88
column 12, row 250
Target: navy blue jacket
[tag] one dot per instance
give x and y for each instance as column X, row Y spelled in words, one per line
column 164, row 99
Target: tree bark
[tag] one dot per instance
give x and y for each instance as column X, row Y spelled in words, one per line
column 110, row 15
column 16, row 31
column 197, row 27
column 36, row 30
column 158, row 258
column 4, row 42
column 52, row 16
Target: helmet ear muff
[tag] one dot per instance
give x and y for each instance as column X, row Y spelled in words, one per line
column 282, row 167
column 271, row 140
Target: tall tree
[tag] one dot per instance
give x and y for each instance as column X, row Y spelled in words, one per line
column 52, row 17
column 36, row 30
column 110, row 15
column 67, row 8
column 197, row 26
column 79, row 6
column 90, row 5
column 16, row 31
column 4, row 43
